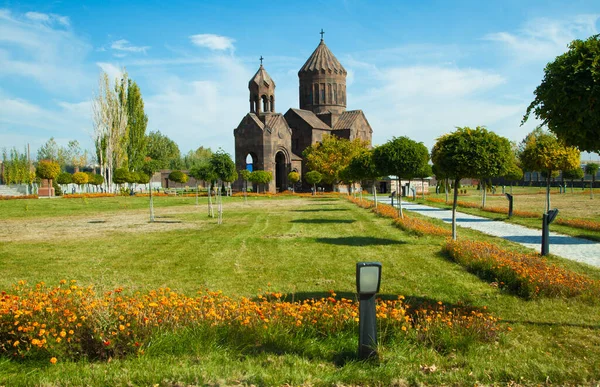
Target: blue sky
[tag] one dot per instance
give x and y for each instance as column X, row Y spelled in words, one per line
column 416, row 69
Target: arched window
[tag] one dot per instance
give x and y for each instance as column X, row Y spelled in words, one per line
column 265, row 102
column 249, row 162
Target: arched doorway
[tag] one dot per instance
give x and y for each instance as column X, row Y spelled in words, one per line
column 280, row 175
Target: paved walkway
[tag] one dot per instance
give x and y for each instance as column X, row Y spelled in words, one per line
column 577, row 249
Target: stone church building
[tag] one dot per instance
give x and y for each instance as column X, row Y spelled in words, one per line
column 273, row 141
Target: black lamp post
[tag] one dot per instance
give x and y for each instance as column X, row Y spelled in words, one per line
column 547, row 218
column 368, row 279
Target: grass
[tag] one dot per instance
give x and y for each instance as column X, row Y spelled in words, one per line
column 299, row 246
column 575, row 205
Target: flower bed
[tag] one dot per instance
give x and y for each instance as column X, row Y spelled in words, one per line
column 68, row 322
column 580, row 223
column 527, row 275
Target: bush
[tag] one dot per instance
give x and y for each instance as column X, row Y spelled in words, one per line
column 121, row 176
column 178, row 177
column 80, row 178
column 64, row 178
column 47, row 169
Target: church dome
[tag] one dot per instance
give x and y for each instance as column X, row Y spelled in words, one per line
column 322, row 59
column 261, row 79
column 323, row 82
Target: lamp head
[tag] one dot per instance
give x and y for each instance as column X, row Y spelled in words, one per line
column 368, row 277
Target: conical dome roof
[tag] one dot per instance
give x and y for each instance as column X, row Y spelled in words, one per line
column 262, row 78
column 322, row 59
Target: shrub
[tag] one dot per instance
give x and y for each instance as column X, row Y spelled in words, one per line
column 47, row 169
column 121, row 176
column 178, row 177
column 80, row 178
column 64, row 178
column 527, row 275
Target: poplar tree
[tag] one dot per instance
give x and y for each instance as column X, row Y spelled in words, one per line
column 137, row 122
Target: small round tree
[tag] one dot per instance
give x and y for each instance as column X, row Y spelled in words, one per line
column 261, row 177
column 244, row 174
column 313, row 178
column 80, row 178
column 512, row 174
column 178, row 177
column 592, row 169
column 121, row 176
column 48, row 170
column 64, row 178
column 293, row 178
column 572, row 174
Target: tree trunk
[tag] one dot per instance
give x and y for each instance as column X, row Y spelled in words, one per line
column 245, row 190
column 456, row 181
column 423, row 188
column 400, row 213
column 484, row 194
column 446, row 190
column 375, row 194
column 210, row 206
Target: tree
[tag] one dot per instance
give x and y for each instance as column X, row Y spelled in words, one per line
column 261, row 177
column 109, row 108
column 149, row 168
column 76, row 156
column 293, row 178
column 422, row 174
column 163, row 150
column 313, row 178
column 244, row 174
column 513, row 173
column 64, row 178
column 567, row 99
column 332, row 155
column 572, row 174
column 17, row 168
column 178, row 177
column 137, row 121
column 80, row 178
column 541, row 151
column 205, row 172
column 196, row 157
column 592, row 169
column 362, row 167
column 121, row 176
column 468, row 152
column 440, row 176
column 401, row 157
column 224, row 169
column 503, row 157
column 48, row 151
column 47, row 169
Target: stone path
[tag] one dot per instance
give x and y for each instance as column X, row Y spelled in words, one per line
column 577, row 249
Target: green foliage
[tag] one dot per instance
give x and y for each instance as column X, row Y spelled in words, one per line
column 48, row 151
column 133, row 177
column 142, row 178
column 471, row 153
column 542, row 151
column 573, row 174
column 513, row 172
column 80, row 178
column 244, row 174
column 95, row 179
column 591, row 169
column 64, row 178
column 163, row 150
column 332, row 155
column 151, row 166
column 197, row 157
column 567, row 99
column 313, row 177
column 137, row 121
column 293, row 177
column 204, row 172
column 260, row 177
column 47, row 169
column 16, row 168
column 121, row 176
column 223, row 166
column 178, row 177
column 401, row 157
column 425, row 171
column 362, row 167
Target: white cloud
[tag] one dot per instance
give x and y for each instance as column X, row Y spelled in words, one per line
column 124, row 45
column 543, row 39
column 53, row 57
column 48, row 18
column 213, row 42
column 113, row 71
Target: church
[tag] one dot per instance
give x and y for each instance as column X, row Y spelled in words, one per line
column 274, row 142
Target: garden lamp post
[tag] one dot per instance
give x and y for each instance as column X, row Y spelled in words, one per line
column 368, row 279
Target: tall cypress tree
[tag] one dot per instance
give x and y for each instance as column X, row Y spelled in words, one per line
column 137, row 121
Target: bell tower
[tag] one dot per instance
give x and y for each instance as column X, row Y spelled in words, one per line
column 262, row 92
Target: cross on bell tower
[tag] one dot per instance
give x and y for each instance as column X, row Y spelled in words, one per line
column 322, row 33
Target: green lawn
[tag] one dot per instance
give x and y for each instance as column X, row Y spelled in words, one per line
column 299, row 246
